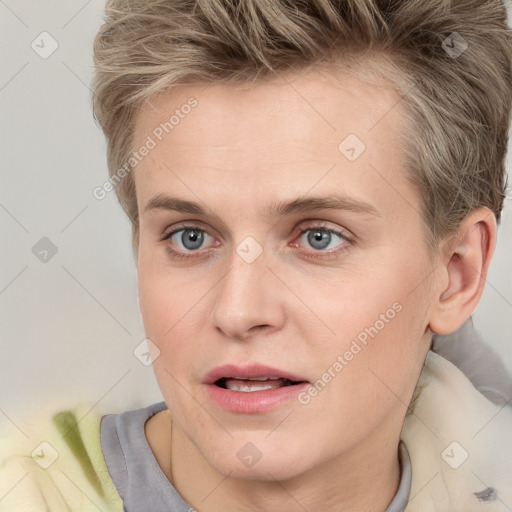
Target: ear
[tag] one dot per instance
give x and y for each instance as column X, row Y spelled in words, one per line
column 465, row 262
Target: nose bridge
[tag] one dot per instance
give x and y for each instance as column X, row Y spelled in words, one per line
column 246, row 297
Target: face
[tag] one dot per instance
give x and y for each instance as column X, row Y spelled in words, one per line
column 285, row 244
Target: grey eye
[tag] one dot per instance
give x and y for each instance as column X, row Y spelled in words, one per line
column 189, row 239
column 321, row 239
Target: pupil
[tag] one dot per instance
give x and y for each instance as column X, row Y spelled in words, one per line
column 319, row 239
column 193, row 239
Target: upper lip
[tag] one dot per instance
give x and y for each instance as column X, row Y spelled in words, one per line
column 249, row 372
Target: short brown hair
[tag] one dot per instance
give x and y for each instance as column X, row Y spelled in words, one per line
column 452, row 69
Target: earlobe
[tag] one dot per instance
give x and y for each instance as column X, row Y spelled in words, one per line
column 465, row 269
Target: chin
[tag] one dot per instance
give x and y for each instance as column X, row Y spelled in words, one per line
column 268, row 471
column 258, row 460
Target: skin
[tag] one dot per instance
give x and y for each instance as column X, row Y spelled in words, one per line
column 237, row 152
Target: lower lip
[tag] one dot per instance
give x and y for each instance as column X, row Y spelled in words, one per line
column 254, row 402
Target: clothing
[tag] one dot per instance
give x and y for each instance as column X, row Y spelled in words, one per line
column 140, row 480
column 56, row 464
column 459, row 443
column 476, row 359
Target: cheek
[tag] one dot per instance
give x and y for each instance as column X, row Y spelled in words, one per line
column 173, row 308
column 361, row 306
column 164, row 306
column 164, row 299
column 379, row 346
column 365, row 381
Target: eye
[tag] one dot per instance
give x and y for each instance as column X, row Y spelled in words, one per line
column 188, row 239
column 320, row 238
column 324, row 239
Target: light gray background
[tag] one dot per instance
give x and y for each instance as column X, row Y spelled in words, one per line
column 68, row 326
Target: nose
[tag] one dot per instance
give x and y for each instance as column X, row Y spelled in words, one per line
column 248, row 300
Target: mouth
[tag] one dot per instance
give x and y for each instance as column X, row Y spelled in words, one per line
column 253, row 389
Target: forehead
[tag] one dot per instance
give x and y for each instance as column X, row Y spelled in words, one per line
column 303, row 130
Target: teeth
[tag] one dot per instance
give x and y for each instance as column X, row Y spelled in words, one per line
column 250, row 385
column 248, row 388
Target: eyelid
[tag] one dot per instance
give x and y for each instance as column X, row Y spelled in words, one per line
column 312, row 224
column 326, row 226
column 184, row 226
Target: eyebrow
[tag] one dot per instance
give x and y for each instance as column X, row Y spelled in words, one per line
column 301, row 205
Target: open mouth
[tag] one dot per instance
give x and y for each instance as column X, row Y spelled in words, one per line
column 253, row 389
column 253, row 384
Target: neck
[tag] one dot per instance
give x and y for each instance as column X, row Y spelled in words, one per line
column 364, row 479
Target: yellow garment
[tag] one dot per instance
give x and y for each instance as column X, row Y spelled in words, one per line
column 58, row 468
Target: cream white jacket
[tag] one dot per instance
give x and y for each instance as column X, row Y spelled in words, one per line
column 460, row 445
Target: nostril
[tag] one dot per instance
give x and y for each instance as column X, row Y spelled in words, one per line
column 259, row 327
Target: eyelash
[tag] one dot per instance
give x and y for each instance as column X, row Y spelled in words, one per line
column 319, row 227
